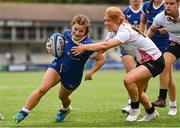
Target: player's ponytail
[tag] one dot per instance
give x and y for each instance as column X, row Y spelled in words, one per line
column 139, row 31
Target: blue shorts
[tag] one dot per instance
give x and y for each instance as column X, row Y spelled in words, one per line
column 71, row 80
column 161, row 41
column 123, row 53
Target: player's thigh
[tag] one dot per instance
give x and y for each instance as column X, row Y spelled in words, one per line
column 138, row 74
column 50, row 79
column 169, row 58
column 129, row 62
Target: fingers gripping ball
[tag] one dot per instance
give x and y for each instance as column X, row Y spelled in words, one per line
column 57, row 44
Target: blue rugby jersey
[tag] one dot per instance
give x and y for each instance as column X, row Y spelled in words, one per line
column 161, row 41
column 133, row 17
column 69, row 61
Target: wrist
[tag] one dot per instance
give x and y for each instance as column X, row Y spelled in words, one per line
column 85, row 47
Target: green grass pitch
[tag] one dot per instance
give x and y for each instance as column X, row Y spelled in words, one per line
column 95, row 103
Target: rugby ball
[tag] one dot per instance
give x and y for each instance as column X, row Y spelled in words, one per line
column 57, row 44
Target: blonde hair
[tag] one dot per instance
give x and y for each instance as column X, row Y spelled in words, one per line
column 82, row 20
column 115, row 14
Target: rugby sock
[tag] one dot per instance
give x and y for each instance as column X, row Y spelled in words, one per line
column 135, row 105
column 172, row 104
column 150, row 110
column 163, row 94
column 64, row 109
column 25, row 110
column 129, row 101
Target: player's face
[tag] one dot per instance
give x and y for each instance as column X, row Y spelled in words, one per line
column 171, row 6
column 135, row 2
column 78, row 31
column 110, row 25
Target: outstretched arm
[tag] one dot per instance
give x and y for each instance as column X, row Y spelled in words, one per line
column 99, row 58
column 101, row 46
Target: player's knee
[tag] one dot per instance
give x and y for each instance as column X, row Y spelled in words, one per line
column 42, row 90
column 140, row 94
column 62, row 97
column 167, row 64
column 127, row 82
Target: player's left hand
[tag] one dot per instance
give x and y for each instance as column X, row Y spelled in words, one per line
column 48, row 46
column 177, row 20
column 77, row 50
column 162, row 31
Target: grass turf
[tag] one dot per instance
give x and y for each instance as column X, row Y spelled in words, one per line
column 95, row 103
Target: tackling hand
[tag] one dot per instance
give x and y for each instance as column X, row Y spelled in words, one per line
column 48, row 46
column 77, row 50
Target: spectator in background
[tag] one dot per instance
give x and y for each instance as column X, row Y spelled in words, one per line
column 133, row 16
column 28, row 58
column 9, row 58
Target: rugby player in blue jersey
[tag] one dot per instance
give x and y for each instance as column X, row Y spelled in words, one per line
column 67, row 69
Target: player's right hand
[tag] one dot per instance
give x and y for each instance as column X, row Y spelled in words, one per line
column 48, row 46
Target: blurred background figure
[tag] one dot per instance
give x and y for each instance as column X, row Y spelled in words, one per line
column 1, row 117
column 28, row 58
column 9, row 58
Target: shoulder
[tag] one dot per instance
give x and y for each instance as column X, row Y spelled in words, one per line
column 124, row 27
column 159, row 18
column 146, row 6
column 126, row 10
column 67, row 32
column 160, row 15
column 88, row 40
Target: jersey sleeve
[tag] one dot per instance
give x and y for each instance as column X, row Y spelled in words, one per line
column 109, row 35
column 66, row 33
column 123, row 36
column 157, row 20
column 145, row 7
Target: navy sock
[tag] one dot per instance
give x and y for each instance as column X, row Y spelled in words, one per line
column 150, row 110
column 135, row 105
column 163, row 94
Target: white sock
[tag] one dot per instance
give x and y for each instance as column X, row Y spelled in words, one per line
column 129, row 101
column 64, row 109
column 172, row 103
column 25, row 110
